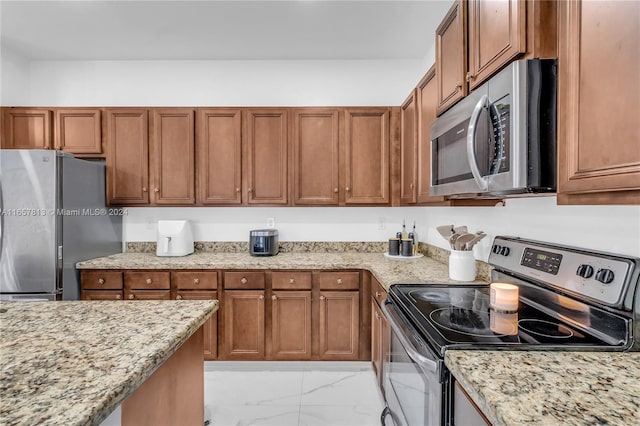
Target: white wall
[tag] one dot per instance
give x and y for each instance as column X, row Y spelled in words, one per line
column 608, row 228
column 14, row 78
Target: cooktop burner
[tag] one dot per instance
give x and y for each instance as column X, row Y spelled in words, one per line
column 468, row 322
column 548, row 329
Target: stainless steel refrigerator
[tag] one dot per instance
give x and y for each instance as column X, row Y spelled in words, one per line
column 52, row 215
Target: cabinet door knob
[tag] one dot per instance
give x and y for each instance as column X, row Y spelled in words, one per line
column 469, row 78
column 237, row 189
column 144, row 189
column 378, row 294
column 149, row 281
column 196, row 280
column 458, row 87
column 244, row 280
column 322, row 298
column 377, row 315
column 335, row 190
column 131, row 297
column 261, row 297
column 100, row 280
column 347, row 189
column 249, row 190
column 274, row 297
column 339, row 280
column 156, row 189
column 411, row 185
column 118, row 297
column 178, row 297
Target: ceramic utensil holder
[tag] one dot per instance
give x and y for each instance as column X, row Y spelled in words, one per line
column 462, row 265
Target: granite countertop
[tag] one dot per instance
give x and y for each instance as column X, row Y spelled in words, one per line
column 551, row 388
column 387, row 271
column 73, row 363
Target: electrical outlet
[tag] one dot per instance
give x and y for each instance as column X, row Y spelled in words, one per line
column 271, row 222
column 151, row 223
column 382, row 223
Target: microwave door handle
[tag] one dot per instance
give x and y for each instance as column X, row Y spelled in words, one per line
column 471, row 142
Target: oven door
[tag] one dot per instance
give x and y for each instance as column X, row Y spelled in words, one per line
column 414, row 388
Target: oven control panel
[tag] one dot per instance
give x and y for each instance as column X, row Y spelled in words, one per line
column 603, row 277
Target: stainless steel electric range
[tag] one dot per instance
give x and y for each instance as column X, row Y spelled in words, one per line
column 569, row 299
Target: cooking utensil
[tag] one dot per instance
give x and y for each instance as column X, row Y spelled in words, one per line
column 462, row 240
column 461, row 229
column 452, row 240
column 445, row 230
column 479, row 235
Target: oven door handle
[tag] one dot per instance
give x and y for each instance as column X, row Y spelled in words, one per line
column 394, row 320
column 471, row 143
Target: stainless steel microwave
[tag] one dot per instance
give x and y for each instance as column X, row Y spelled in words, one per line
column 500, row 139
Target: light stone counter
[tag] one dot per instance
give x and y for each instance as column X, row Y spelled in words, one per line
column 387, row 271
column 551, row 388
column 73, row 363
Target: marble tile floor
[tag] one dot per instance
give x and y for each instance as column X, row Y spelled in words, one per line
column 288, row 394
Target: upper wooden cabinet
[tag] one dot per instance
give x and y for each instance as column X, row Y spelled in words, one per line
column 219, row 156
column 409, row 149
column 128, row 157
column 497, row 34
column 315, row 156
column 26, row 128
column 172, row 153
column 598, row 103
column 79, row 131
column 477, row 38
column 451, row 56
column 367, row 156
column 266, row 151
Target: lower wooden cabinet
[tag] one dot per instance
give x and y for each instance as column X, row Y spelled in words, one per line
column 339, row 325
column 291, row 325
column 379, row 331
column 244, row 324
column 210, row 329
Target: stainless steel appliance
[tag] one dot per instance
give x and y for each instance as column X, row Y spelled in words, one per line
column 569, row 299
column 263, row 242
column 501, row 138
column 52, row 215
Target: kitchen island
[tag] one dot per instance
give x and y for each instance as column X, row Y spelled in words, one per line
column 73, row 363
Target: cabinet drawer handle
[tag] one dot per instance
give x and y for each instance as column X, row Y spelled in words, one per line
column 335, row 190
column 261, row 297
column 292, row 280
column 196, row 280
column 118, row 297
column 244, row 280
column 131, row 297
column 378, row 294
column 274, row 297
column 322, row 298
column 339, row 280
column 178, row 297
column 100, row 280
column 149, row 280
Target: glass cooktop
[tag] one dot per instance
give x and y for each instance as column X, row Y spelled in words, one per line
column 460, row 316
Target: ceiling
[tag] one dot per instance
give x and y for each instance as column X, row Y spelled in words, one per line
column 220, row 30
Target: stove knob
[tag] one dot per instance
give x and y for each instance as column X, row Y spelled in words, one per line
column 605, row 276
column 496, row 249
column 505, row 251
column 585, row 271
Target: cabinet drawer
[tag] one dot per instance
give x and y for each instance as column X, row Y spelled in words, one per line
column 102, row 295
column 147, row 280
column 291, row 280
column 195, row 280
column 147, row 295
column 339, row 280
column 244, row 280
column 101, row 280
column 377, row 291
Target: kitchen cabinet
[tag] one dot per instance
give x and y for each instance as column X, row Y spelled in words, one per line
column 26, row 128
column 200, row 285
column 315, row 156
column 79, row 131
column 598, row 151
column 339, row 316
column 291, row 315
column 128, row 156
column 379, row 331
column 266, row 156
column 451, row 56
column 367, row 156
column 172, row 153
column 409, row 149
column 244, row 315
column 101, row 285
column 426, row 107
column 219, row 156
column 147, row 285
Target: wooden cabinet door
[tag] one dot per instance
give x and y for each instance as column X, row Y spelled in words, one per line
column 451, row 57
column 408, row 150
column 378, row 340
column 291, row 325
column 79, row 131
column 427, row 99
column 367, row 156
column 172, row 152
column 315, row 156
column 266, row 156
column 128, row 158
column 210, row 330
column 598, row 103
column 244, row 324
column 339, row 325
column 219, row 152
column 497, row 34
column 26, row 128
